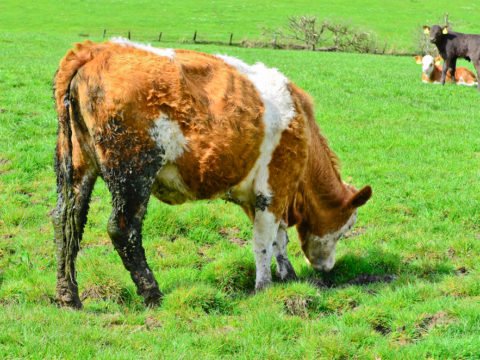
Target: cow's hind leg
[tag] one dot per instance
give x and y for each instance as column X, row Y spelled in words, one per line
column 69, row 219
column 285, row 269
column 476, row 63
column 130, row 193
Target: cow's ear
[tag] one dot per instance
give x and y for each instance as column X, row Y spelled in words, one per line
column 361, row 197
column 418, row 59
column 438, row 60
column 426, row 30
column 445, row 30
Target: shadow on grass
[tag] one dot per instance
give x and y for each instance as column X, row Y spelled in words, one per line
column 376, row 267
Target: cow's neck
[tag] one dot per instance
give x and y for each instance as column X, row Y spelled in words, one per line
column 321, row 189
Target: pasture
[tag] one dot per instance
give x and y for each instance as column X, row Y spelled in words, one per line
column 417, row 145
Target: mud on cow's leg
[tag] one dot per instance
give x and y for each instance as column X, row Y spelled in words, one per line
column 265, row 228
column 285, row 269
column 130, row 193
column 69, row 219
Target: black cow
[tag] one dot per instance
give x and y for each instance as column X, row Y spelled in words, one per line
column 452, row 45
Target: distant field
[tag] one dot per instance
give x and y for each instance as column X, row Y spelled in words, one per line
column 395, row 22
column 417, row 145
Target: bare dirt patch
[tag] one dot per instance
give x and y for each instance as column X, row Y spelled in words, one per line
column 3, row 162
column 366, row 279
column 231, row 234
column 430, row 321
column 152, row 323
column 362, row 279
column 381, row 328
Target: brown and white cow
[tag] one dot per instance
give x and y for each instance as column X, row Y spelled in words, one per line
column 185, row 125
column 432, row 72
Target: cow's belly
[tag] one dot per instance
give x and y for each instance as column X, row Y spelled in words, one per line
column 226, row 178
column 220, row 161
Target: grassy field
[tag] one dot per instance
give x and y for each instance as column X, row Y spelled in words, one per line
column 395, row 22
column 417, row 145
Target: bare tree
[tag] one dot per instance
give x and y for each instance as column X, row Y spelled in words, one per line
column 306, row 29
column 324, row 35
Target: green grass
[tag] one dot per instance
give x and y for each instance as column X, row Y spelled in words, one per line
column 395, row 22
column 417, row 145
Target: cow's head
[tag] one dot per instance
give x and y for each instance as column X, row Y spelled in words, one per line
column 319, row 241
column 435, row 33
column 428, row 63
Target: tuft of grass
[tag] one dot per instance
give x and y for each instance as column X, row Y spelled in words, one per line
column 232, row 273
column 202, row 298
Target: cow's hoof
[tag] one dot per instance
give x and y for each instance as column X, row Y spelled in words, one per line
column 286, row 273
column 262, row 285
column 289, row 276
column 67, row 299
column 153, row 298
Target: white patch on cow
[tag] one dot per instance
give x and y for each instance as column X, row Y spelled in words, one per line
column 265, row 229
column 272, row 87
column 168, row 137
column 323, row 249
column 428, row 64
column 169, row 53
column 462, row 81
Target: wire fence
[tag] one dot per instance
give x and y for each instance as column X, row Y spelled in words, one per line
column 225, row 39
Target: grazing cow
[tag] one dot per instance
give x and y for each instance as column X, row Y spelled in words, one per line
column 432, row 72
column 184, row 125
column 452, row 45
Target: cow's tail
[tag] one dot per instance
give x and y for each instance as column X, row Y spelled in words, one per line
column 66, row 235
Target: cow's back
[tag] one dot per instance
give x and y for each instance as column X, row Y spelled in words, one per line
column 204, row 116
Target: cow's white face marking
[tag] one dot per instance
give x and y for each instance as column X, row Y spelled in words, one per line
column 272, row 87
column 427, row 64
column 169, row 53
column 169, row 138
column 320, row 251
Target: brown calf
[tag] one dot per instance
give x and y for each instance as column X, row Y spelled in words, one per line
column 453, row 45
column 185, row 125
column 432, row 72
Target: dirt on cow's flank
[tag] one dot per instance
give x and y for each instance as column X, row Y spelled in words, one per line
column 406, row 282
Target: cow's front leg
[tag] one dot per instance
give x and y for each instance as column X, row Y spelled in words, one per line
column 285, row 269
column 264, row 232
column 130, row 198
column 452, row 69
column 444, row 72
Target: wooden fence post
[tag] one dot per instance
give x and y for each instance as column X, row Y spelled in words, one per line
column 160, row 37
column 231, row 37
column 195, row 36
column 129, row 35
